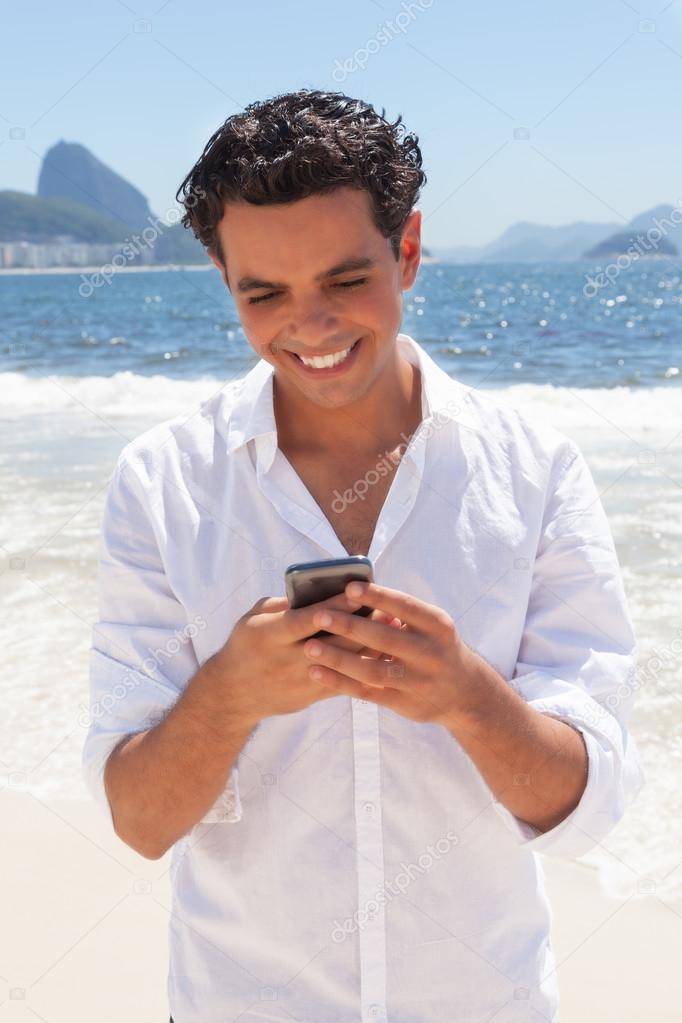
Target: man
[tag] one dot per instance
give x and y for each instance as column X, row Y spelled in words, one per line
column 353, row 819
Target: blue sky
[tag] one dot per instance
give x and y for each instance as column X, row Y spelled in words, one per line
column 596, row 83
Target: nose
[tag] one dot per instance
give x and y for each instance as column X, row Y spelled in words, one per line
column 312, row 324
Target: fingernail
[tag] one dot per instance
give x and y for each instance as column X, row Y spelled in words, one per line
column 323, row 618
column 355, row 589
column 313, row 649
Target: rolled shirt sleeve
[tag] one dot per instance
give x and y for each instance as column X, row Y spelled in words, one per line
column 576, row 660
column 142, row 653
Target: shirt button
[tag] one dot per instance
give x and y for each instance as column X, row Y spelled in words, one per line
column 368, row 808
column 375, row 1010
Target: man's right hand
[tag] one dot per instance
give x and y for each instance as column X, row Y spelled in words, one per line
column 262, row 665
column 161, row 782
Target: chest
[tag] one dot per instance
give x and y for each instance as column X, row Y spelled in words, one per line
column 350, row 496
column 454, row 534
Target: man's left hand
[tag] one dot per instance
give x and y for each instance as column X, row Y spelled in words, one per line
column 424, row 670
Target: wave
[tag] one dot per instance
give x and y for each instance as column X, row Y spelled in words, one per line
column 122, row 394
column 645, row 415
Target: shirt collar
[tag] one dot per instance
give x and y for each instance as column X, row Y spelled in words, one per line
column 251, row 413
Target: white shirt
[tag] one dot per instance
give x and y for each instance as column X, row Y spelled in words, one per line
column 357, row 867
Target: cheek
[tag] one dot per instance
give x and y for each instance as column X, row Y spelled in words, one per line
column 379, row 306
column 387, row 311
column 258, row 335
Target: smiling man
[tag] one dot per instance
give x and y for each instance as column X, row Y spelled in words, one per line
column 319, row 294
column 354, row 819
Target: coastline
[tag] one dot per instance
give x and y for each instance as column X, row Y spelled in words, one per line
column 76, row 895
column 31, row 271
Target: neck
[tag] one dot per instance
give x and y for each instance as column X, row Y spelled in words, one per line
column 378, row 421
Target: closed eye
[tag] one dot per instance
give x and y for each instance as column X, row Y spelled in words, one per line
column 342, row 284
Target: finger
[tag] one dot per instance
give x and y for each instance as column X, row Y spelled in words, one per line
column 385, row 618
column 366, row 670
column 388, row 640
column 417, row 613
column 268, row 605
column 341, row 602
column 348, row 686
column 297, row 623
column 345, row 643
column 393, row 623
column 376, row 616
column 339, row 641
column 379, row 616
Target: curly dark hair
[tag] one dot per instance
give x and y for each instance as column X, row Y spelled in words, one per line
column 299, row 144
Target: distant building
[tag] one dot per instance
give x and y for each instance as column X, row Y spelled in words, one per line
column 65, row 251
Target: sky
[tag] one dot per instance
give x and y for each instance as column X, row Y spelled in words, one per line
column 542, row 111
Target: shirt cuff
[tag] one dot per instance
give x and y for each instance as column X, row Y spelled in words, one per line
column 123, row 702
column 614, row 777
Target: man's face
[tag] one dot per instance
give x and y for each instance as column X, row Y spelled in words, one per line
column 277, row 267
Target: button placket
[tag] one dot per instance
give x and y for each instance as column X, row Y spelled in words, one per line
column 370, row 859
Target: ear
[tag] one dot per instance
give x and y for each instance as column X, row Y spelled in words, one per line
column 410, row 249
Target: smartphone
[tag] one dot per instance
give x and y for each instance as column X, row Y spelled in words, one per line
column 311, row 581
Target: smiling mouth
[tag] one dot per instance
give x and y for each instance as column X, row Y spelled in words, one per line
column 326, row 361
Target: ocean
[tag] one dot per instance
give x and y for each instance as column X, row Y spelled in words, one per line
column 84, row 369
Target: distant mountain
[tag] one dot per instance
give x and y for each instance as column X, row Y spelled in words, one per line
column 653, row 233
column 178, row 245
column 29, row 218
column 70, row 171
column 79, row 197
column 643, row 221
column 526, row 242
column 619, row 244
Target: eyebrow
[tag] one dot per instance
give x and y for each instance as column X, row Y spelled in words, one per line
column 345, row 266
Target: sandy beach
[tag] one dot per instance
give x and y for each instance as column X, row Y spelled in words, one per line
column 87, row 928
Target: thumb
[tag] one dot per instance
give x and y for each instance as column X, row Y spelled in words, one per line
column 268, row 605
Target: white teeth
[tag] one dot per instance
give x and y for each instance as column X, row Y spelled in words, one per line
column 323, row 361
